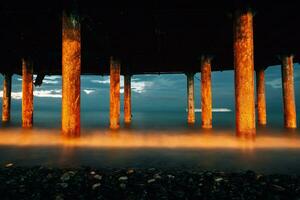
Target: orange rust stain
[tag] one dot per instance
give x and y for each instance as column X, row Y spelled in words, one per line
column 27, row 94
column 114, row 94
column 288, row 92
column 206, row 96
column 6, row 98
column 127, row 98
column 261, row 97
column 190, row 99
column 244, row 74
column 71, row 69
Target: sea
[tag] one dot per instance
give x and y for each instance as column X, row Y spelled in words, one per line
column 158, row 137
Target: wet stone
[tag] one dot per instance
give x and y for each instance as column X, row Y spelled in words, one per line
column 54, row 183
column 278, row 188
column 98, row 177
column 123, row 178
column 151, row 181
column 123, row 185
column 95, row 186
column 9, row 165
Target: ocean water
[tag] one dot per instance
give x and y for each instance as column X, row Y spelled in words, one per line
column 158, row 130
column 159, row 136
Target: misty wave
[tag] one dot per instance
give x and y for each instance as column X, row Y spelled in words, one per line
column 217, row 110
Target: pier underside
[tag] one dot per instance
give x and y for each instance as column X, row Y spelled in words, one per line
column 146, row 36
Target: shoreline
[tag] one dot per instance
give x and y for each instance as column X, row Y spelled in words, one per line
column 41, row 182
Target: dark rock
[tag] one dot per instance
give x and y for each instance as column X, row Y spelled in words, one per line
column 84, row 183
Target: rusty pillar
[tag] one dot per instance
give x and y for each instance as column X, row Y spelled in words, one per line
column 206, row 96
column 190, row 98
column 71, row 69
column 261, row 97
column 6, row 98
column 127, row 98
column 289, row 105
column 114, row 94
column 27, row 94
column 244, row 74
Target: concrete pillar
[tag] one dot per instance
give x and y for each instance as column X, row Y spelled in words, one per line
column 244, row 73
column 190, row 98
column 289, row 105
column 261, row 97
column 6, row 98
column 127, row 98
column 206, row 96
column 114, row 94
column 27, row 94
column 71, row 69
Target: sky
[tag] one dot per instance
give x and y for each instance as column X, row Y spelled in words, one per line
column 150, row 93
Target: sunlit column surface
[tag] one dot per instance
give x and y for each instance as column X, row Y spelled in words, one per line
column 27, row 93
column 127, row 98
column 6, row 100
column 190, row 98
column 206, row 96
column 289, row 106
column 244, row 73
column 71, row 69
column 114, row 93
column 261, row 97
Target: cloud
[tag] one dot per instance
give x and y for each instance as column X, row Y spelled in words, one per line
column 52, row 77
column 141, row 86
column 89, row 91
column 275, row 83
column 49, row 80
column 136, row 85
column 14, row 95
column 48, row 93
column 36, row 93
column 107, row 81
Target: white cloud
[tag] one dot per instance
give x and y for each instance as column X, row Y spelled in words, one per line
column 52, row 77
column 14, row 95
column 49, row 82
column 107, row 81
column 48, row 93
column 36, row 93
column 89, row 91
column 136, row 85
column 140, row 87
column 275, row 83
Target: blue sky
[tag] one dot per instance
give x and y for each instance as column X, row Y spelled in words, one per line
column 151, row 92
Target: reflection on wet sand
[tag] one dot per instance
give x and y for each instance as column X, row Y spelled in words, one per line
column 147, row 139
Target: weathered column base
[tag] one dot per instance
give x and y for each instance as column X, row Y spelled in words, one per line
column 206, row 96
column 6, row 100
column 27, row 94
column 261, row 97
column 71, row 70
column 289, row 105
column 244, row 73
column 114, row 94
column 190, row 99
column 127, row 99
